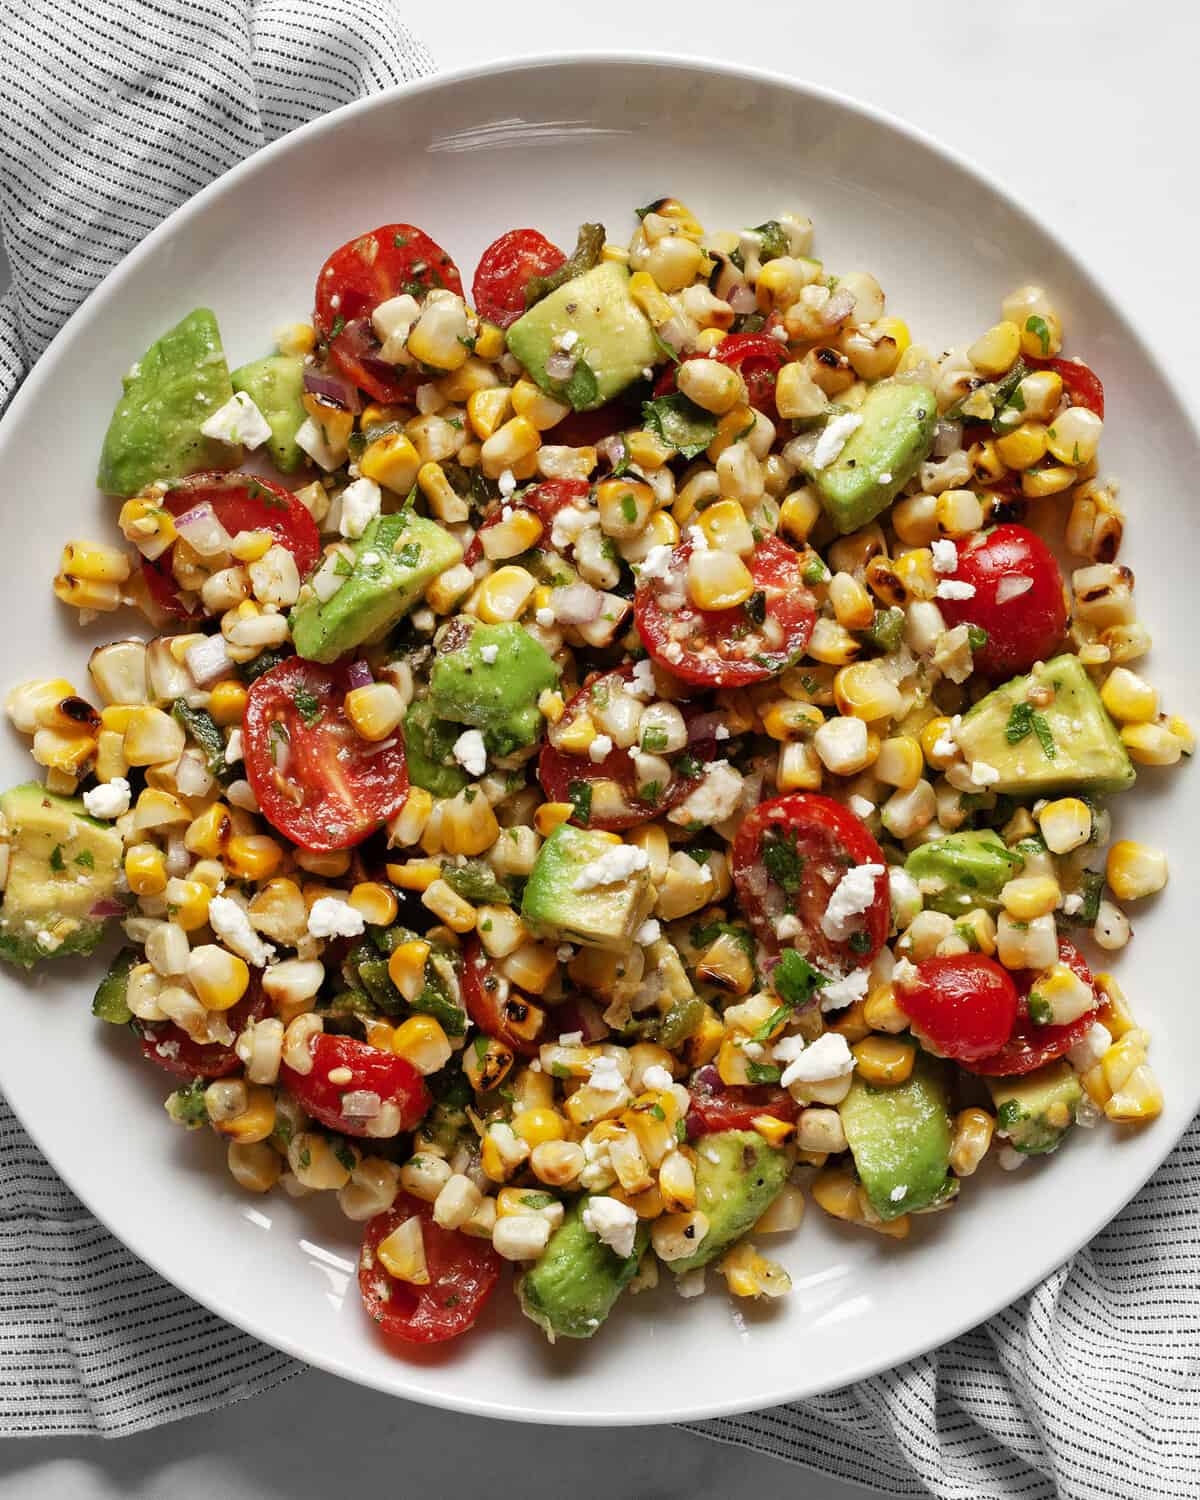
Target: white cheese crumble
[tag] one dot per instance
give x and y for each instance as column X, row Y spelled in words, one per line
column 697, row 538
column 828, row 1057
column 1072, row 903
column 568, row 524
column 605, row 1075
column 657, row 562
column 905, row 973
column 641, row 684
column 951, row 588
column 721, row 732
column 233, row 748
column 507, row 484
column 1090, row 1047
column 656, row 1077
column 231, row 924
column 853, row 895
column 361, row 502
column 845, row 991
column 600, row 749
column 613, row 1223
column 567, row 340
column 715, row 799
column 332, row 917
column 982, row 774
column 834, row 437
column 108, row 800
column 945, row 555
column 238, row 421
column 898, row 1193
column 617, row 863
column 470, row 752
column 489, row 654
column 860, row 807
column 545, row 618
column 649, row 932
column 691, row 1283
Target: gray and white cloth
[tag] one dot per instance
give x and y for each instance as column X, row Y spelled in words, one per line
column 1089, row 1388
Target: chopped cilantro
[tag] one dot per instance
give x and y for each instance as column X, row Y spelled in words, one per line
column 308, row 705
column 795, row 980
column 680, row 423
column 654, row 740
column 762, row 1072
column 756, row 607
column 629, row 507
column 814, row 572
column 409, row 555
column 538, row 1200
column 86, row 858
column 977, row 637
column 338, row 324
column 1040, row 330
column 783, row 864
column 579, row 795
column 688, row 767
column 1025, row 720
column 399, row 241
column 57, row 863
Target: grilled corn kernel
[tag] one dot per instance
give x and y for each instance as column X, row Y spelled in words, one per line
column 863, row 691
column 853, row 607
column 996, row 351
column 190, row 899
column 900, row 762
column 1134, row 870
column 516, row 440
column 208, row 833
column 1151, row 744
column 832, row 644
column 509, row 538
column 799, row 768
column 148, row 525
column 152, row 737
column 504, row 594
column 219, row 978
column 717, row 580
column 421, row 1041
column 439, row 898
column 95, row 562
column 375, row 710
column 252, row 856
column 1024, row 447
column 884, row 1060
column 973, row 1129
column 1066, row 823
column 1030, row 896
column 392, row 461
column 882, row 1012
column 799, row 513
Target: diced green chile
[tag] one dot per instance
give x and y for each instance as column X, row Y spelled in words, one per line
column 202, row 728
column 589, row 247
column 110, row 1002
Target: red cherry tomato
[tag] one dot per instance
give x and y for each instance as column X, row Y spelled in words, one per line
column 721, row 1106
column 486, row 997
column 357, row 277
column 727, row 647
column 756, row 356
column 316, row 781
column 543, row 500
column 241, row 502
column 584, row 429
column 372, row 1071
column 1019, row 599
column 963, row 1007
column 505, row 269
column 557, row 771
column 1081, row 383
column 788, row 858
column 1031, row 1045
column 462, row 1273
column 167, row 1046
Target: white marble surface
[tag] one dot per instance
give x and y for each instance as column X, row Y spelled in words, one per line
column 1085, row 108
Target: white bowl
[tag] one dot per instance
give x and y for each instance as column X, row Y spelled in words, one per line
column 551, row 143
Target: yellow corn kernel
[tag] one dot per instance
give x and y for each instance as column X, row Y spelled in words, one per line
column 117, row 716
column 1066, row 823
column 647, row 449
column 1138, row 1098
column 853, row 607
column 1151, row 744
column 996, row 351
column 835, row 1190
column 1183, row 732
column 973, row 1130
column 730, row 430
column 504, row 594
column 509, row 538
column 550, row 705
column 227, row 702
column 251, row 546
column 63, row 752
column 402, row 1253
column 375, row 710
column 1024, row 447
column 448, row 589
column 1030, row 896
column 531, row 401
column 575, row 737
column 219, row 978
column 252, row 856
column 727, row 529
column 884, row 1060
column 189, row 899
column 645, row 292
column 489, row 341
column 538, row 1125
column 444, row 501
column 407, row 826
column 110, row 756
column 256, row 1122
column 718, row 580
column 145, row 870
column 376, row 904
column 799, row 513
column 392, row 461
column 882, row 1012
column 1036, row 484
column 786, row 719
column 421, row 1041
column 488, row 410
column 443, row 902
column 152, row 737
column 832, row 644
column 148, row 525
column 331, row 864
column 516, row 440
column 95, row 562
column 749, row 1274
column 705, row 1042
column 900, row 763
column 1129, row 698
column 406, row 967
column 862, row 691
column 86, row 593
column 1135, row 870
column 935, row 734
column 468, row 827
column 414, row 874
column 772, row 1129
column 1074, row 436
column 549, row 815
column 208, row 833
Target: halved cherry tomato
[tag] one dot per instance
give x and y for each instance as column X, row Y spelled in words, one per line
column 506, row 267
column 1081, row 383
column 372, row 1071
column 1019, row 599
column 723, row 1106
column 316, row 781
column 488, row 998
column 544, row 500
column 1031, row 1045
column 357, row 277
column 788, row 858
column 756, row 356
column 241, row 502
column 557, row 771
column 963, row 1007
column 462, row 1273
column 167, row 1046
column 728, row 647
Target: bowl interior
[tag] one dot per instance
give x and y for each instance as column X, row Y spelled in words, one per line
column 466, row 158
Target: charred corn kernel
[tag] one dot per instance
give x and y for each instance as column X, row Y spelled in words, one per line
column 715, row 387
column 717, row 580
column 624, row 507
column 996, row 351
column 882, row 1012
column 1135, row 870
column 468, row 827
column 486, row 1066
column 145, row 870
column 884, row 1060
column 788, row 719
column 914, row 569
column 705, row 1042
column 835, row 1190
column 148, row 525
column 772, row 1129
column 530, row 401
column 749, row 1274
column 900, row 762
column 1030, row 896
column 1125, row 642
column 1065, row 823
column 392, row 461
column 645, row 292
column 833, row 644
column 863, row 691
column 488, row 410
column 227, row 702
column 375, row 710
column 252, row 856
column 152, row 737
column 799, row 513
column 421, row 1041
column 1024, row 447
column 675, row 1236
column 1129, row 698
column 208, row 833
column 504, row 594
column 402, row 1253
column 444, row 501
column 1151, row 744
column 958, row 513
column 853, row 607
column 550, row 814
column 219, row 978
column 443, row 902
column 406, row 967
column 537, row 1126
column 1074, row 436
column 1036, row 484
column 517, row 439
column 256, row 1122
column 973, row 1130
column 34, row 705
column 94, row 562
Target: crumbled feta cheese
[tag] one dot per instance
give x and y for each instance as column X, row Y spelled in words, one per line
column 754, row 1051
column 231, row 924
column 697, row 538
column 853, row 895
column 649, row 932
column 885, row 478
column 489, row 653
column 108, row 800
column 1072, row 904
column 946, row 744
column 1090, row 1047
column 945, row 555
column 899, row 1192
column 569, row 523
column 570, row 1039
column 238, row 421
column 657, row 1077
column 470, row 752
column 424, row 619
column 332, row 917
column 861, row 807
column 845, row 991
column 507, row 484
column 715, row 799
column 673, row 651
column 600, row 749
column 982, row 774
column 617, row 863
column 721, row 732
column 311, row 440
column 567, row 340
column 834, row 437
column 657, row 562
column 613, row 1223
column 564, row 953
column 545, row 618
column 691, row 1283
column 951, row 588
column 828, row 1057
column 787, row 927
column 361, row 502
column 905, row 973
column 233, row 749
column 641, row 684
column 605, row 1075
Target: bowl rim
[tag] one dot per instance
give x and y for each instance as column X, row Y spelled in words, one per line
column 1087, row 1225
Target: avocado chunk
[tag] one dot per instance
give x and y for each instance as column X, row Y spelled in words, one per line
column 973, row 868
column 396, row 557
column 429, row 751
column 1068, row 745
column 275, row 385
column 900, row 1139
column 881, row 455
column 614, row 342
column 570, row 1290
column 61, row 863
column 598, row 916
column 180, row 381
column 1035, row 1111
column 497, row 696
column 737, row 1177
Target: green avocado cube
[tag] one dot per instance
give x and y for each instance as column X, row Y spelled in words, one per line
column 881, row 455
column 572, row 1287
column 1066, row 745
column 738, row 1176
column 900, row 1139
column 276, row 385
column 613, row 345
column 180, row 381
column 1035, row 1111
column 569, row 897
column 972, row 867
column 395, row 560
column 490, row 677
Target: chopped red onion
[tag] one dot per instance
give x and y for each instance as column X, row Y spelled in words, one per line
column 612, row 449
column 676, row 333
column 947, row 439
column 741, row 297
column 362, row 1104
column 703, row 727
column 560, row 365
column 202, row 531
column 335, row 389
column 838, row 308
column 581, row 1015
column 358, row 674
column 108, row 907
column 208, row 659
column 577, row 604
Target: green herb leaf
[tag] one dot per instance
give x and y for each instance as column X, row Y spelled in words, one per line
column 774, row 239
column 680, row 423
column 308, row 705
column 763, row 1072
column 815, row 572
column 795, row 980
column 1024, row 720
column 86, row 859
column 579, row 795
column 57, row 863
column 1040, row 330
column 688, row 767
column 538, row 1200
column 409, row 555
column 783, row 864
column 629, row 507
column 768, row 1026
column 977, row 637
column 654, row 740
column 583, row 387
column 664, row 348
column 756, row 607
